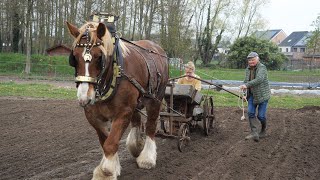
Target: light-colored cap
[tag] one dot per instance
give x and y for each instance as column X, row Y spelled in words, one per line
column 252, row 55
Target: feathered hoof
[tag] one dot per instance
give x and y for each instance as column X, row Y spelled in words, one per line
column 146, row 163
column 99, row 174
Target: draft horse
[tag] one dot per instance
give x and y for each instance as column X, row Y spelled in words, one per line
column 115, row 79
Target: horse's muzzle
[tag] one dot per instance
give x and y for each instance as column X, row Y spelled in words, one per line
column 84, row 103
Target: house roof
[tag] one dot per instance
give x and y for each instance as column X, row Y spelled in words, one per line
column 303, row 41
column 268, row 34
column 56, row 46
column 293, row 38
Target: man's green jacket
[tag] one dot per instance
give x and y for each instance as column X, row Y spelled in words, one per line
column 259, row 86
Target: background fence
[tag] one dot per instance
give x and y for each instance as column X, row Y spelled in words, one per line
column 299, row 64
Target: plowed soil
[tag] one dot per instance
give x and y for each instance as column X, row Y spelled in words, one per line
column 51, row 139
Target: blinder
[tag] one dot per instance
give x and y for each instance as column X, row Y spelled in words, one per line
column 72, row 60
column 102, row 62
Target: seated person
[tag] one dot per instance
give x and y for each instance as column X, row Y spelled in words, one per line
column 189, row 70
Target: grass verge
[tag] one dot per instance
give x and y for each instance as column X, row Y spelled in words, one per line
column 221, row 99
column 36, row 90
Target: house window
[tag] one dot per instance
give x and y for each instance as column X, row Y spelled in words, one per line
column 287, row 50
column 280, row 49
column 302, row 49
column 295, row 50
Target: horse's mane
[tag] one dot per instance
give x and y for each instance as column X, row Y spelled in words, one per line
column 107, row 47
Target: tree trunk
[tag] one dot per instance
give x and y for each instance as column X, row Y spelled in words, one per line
column 131, row 19
column 28, row 39
column 134, row 22
column 153, row 5
column 124, row 16
column 141, row 7
column 15, row 29
column 163, row 31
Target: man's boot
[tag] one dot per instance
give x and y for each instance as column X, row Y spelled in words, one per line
column 262, row 133
column 254, row 133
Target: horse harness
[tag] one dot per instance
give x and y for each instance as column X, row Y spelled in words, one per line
column 105, row 89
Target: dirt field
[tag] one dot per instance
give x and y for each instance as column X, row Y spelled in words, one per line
column 51, row 139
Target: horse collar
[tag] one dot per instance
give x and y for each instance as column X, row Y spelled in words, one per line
column 105, row 91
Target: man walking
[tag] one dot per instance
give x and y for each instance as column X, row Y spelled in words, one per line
column 258, row 94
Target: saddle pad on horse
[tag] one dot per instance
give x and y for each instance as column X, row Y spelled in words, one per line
column 154, row 75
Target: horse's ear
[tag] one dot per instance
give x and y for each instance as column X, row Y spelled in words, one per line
column 74, row 31
column 101, row 30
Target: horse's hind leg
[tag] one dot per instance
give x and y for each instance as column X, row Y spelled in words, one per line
column 134, row 140
column 148, row 156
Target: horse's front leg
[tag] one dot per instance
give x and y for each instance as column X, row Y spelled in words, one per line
column 109, row 167
column 148, row 156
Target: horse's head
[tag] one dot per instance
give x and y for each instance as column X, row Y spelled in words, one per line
column 91, row 47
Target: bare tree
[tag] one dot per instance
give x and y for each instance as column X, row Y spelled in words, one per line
column 249, row 10
column 210, row 37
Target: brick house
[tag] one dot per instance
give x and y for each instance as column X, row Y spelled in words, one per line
column 59, row 50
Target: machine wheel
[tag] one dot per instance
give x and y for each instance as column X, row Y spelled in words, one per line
column 183, row 136
column 211, row 117
column 208, row 116
column 205, row 118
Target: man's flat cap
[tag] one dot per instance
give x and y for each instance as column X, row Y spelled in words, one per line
column 252, row 55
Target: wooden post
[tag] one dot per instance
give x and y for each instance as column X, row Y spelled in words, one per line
column 171, row 107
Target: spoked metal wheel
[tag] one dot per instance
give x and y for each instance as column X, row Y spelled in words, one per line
column 211, row 114
column 207, row 118
column 183, row 136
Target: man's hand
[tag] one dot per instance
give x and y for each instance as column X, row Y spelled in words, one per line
column 243, row 87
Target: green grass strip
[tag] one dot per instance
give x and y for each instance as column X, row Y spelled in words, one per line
column 36, row 90
column 221, row 98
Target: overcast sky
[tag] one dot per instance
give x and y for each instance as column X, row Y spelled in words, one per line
column 291, row 15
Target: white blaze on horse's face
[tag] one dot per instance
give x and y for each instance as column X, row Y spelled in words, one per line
column 86, row 93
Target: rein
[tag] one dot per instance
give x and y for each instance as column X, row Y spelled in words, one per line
column 149, row 50
column 207, row 83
